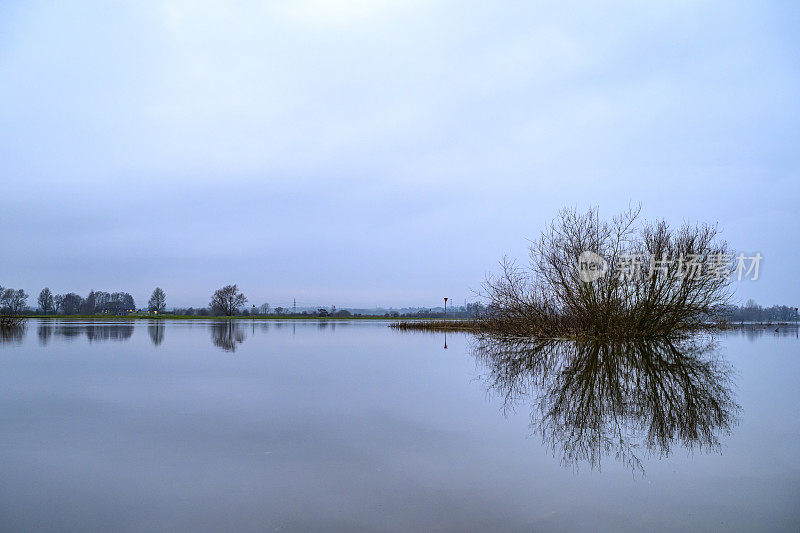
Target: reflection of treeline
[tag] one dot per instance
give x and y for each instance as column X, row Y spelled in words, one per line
column 12, row 332
column 754, row 331
column 92, row 332
column 226, row 335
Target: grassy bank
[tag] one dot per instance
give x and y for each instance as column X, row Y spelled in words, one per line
column 478, row 326
column 468, row 325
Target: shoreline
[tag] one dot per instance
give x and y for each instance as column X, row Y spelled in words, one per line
column 196, row 317
column 472, row 326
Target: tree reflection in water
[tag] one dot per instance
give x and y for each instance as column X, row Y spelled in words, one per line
column 44, row 332
column 590, row 400
column 12, row 334
column 93, row 332
column 227, row 334
column 155, row 328
column 108, row 332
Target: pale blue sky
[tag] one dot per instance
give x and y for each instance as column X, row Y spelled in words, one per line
column 381, row 153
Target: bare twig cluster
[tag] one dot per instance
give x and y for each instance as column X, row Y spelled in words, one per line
column 11, row 322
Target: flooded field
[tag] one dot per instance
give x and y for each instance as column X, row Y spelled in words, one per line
column 281, row 425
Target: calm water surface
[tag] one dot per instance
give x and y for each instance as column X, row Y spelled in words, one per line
column 284, row 426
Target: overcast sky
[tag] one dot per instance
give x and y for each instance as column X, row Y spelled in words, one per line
column 381, row 153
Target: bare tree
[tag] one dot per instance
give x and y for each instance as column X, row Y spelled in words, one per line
column 46, row 301
column 158, row 300
column 58, row 302
column 19, row 301
column 71, row 303
column 12, row 301
column 88, row 304
column 227, row 300
column 264, row 309
column 5, row 298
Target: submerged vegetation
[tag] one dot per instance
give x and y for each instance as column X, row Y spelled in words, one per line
column 11, row 321
column 469, row 325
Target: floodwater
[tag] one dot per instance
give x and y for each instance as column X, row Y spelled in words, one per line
column 287, row 426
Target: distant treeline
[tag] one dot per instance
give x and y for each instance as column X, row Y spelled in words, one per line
column 471, row 310
column 15, row 302
column 752, row 312
column 226, row 301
